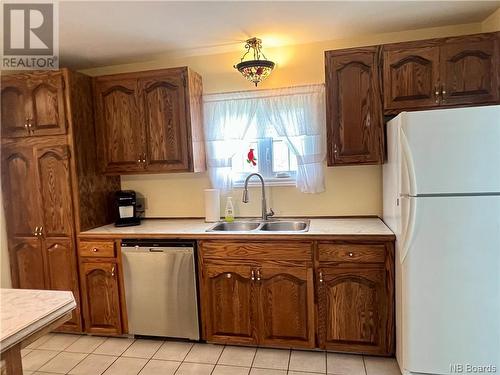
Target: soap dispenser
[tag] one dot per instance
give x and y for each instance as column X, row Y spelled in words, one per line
column 229, row 213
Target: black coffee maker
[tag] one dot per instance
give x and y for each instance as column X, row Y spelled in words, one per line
column 127, row 208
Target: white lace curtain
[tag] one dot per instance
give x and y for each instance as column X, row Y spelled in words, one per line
column 296, row 113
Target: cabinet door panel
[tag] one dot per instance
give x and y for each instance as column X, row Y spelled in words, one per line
column 14, row 108
column 354, row 108
column 411, row 78
column 27, row 263
column 353, row 310
column 101, row 298
column 20, row 191
column 61, row 274
column 286, row 306
column 469, row 72
column 122, row 133
column 164, row 113
column 228, row 297
column 47, row 110
column 55, row 191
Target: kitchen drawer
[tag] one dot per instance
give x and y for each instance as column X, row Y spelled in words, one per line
column 97, row 249
column 248, row 250
column 351, row 253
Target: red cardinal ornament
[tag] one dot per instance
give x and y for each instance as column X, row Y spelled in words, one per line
column 251, row 159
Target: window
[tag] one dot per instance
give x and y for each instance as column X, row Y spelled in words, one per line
column 274, row 161
column 284, row 127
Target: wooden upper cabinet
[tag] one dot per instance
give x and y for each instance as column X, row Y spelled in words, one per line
column 411, row 77
column 354, row 107
column 101, row 298
column 469, row 72
column 119, row 126
column 46, row 113
column 456, row 71
column 26, row 257
column 33, row 105
column 286, row 306
column 19, row 179
column 164, row 103
column 229, row 304
column 353, row 310
column 14, row 107
column 150, row 121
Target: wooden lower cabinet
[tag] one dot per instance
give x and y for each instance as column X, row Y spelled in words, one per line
column 101, row 298
column 26, row 256
column 286, row 306
column 272, row 306
column 60, row 255
column 356, row 297
column 352, row 310
column 250, row 293
column 230, row 310
column 267, row 293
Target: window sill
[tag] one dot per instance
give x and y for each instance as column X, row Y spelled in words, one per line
column 268, row 182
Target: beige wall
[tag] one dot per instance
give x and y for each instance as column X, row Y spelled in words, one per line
column 492, row 23
column 353, row 190
column 350, row 190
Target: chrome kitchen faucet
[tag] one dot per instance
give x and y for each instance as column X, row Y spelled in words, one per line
column 265, row 215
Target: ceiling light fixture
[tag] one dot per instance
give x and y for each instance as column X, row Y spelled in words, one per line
column 255, row 70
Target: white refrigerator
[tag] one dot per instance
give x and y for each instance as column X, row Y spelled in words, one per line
column 442, row 200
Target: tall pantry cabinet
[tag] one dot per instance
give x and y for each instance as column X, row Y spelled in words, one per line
column 50, row 180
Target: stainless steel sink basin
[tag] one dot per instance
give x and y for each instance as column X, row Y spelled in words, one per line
column 235, row 226
column 286, row 226
column 262, row 226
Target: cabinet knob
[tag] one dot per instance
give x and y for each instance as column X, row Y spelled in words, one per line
column 95, row 249
column 351, row 254
column 228, row 275
column 113, row 271
column 436, row 94
column 335, row 149
column 253, row 275
column 320, row 276
column 35, row 232
column 258, row 275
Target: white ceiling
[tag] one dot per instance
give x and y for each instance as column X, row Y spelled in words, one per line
column 102, row 33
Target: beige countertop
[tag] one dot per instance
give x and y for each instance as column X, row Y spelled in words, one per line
column 196, row 229
column 24, row 312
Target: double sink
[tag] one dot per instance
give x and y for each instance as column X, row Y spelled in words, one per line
column 262, row 226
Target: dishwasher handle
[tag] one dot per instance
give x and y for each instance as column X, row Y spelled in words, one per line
column 158, row 250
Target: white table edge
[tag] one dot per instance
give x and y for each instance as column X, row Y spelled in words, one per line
column 32, row 328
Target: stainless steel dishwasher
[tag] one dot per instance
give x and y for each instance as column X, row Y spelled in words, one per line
column 160, row 288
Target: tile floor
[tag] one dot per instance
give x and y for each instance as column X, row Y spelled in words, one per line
column 91, row 355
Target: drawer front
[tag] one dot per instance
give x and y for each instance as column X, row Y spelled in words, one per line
column 354, row 253
column 97, row 249
column 257, row 250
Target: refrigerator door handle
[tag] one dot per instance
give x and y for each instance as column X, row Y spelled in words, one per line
column 410, row 228
column 408, row 162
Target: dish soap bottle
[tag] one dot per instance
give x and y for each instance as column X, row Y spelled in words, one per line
column 229, row 213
